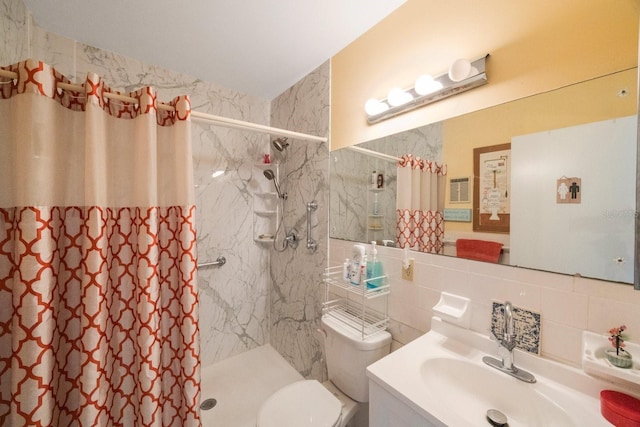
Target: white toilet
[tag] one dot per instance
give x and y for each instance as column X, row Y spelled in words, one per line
column 309, row 403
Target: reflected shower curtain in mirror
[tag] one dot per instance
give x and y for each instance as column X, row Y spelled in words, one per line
column 420, row 205
column 98, row 292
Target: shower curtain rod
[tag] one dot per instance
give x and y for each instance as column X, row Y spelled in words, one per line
column 215, row 120
column 372, row 153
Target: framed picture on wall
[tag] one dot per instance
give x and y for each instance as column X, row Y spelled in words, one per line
column 491, row 188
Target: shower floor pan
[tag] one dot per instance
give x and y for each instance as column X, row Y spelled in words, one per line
column 240, row 384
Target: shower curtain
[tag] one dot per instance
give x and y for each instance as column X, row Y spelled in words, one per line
column 420, row 204
column 98, row 293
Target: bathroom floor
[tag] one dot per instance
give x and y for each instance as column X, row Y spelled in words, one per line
column 240, row 384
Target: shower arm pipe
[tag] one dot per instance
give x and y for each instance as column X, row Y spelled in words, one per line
column 376, row 154
column 205, row 117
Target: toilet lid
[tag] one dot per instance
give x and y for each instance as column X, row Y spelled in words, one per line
column 300, row 404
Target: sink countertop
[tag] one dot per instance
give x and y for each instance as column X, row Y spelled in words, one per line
column 568, row 388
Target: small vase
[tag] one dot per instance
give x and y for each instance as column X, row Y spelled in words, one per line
column 621, row 360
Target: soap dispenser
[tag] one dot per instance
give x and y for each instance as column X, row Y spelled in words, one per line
column 374, row 268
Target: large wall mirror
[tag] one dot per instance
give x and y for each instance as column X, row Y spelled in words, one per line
column 584, row 133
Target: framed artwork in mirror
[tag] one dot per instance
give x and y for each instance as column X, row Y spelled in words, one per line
column 491, row 188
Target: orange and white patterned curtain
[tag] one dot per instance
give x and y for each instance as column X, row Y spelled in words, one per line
column 98, row 292
column 420, row 205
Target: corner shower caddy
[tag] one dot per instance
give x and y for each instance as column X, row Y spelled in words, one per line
column 375, row 219
column 364, row 310
column 265, row 206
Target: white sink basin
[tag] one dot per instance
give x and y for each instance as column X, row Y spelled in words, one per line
column 439, row 379
column 456, row 384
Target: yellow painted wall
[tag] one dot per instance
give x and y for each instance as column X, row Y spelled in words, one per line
column 587, row 102
column 535, row 46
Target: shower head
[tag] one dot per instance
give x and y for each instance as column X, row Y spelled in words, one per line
column 280, row 144
column 271, row 176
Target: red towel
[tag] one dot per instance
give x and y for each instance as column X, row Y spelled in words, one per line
column 480, row 250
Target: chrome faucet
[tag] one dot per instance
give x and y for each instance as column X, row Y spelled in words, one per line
column 507, row 341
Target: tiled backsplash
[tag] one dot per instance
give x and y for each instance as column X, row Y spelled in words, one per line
column 526, row 326
column 567, row 304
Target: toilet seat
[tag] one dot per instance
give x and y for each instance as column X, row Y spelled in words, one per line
column 300, row 404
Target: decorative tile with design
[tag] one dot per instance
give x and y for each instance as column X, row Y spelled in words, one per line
column 527, row 326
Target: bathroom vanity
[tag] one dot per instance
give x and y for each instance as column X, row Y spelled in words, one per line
column 439, row 379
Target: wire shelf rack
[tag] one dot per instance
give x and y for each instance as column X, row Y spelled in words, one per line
column 360, row 307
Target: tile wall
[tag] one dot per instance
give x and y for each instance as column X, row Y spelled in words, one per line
column 567, row 305
column 14, row 26
column 296, row 292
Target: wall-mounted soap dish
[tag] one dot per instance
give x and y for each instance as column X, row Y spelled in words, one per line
column 594, row 360
column 454, row 309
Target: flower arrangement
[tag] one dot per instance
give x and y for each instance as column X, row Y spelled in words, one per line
column 620, row 358
column 616, row 338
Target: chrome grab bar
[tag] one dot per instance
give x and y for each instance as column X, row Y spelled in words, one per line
column 219, row 262
column 311, row 243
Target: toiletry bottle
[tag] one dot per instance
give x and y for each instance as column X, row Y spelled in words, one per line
column 356, row 258
column 346, row 270
column 374, row 179
column 363, row 268
column 374, row 268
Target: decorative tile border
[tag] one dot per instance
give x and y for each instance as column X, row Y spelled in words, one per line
column 527, row 326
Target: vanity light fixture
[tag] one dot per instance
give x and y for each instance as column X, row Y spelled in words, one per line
column 426, row 84
column 462, row 76
column 398, row 97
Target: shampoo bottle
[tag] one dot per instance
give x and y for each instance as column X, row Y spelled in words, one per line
column 363, row 268
column 374, row 268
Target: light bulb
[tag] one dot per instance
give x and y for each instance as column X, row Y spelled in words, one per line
column 459, row 70
column 374, row 107
column 425, row 84
column 398, row 97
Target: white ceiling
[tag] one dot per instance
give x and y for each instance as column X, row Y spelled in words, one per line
column 257, row 47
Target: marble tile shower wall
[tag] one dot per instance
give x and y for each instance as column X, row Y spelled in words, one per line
column 296, row 293
column 14, row 25
column 234, row 315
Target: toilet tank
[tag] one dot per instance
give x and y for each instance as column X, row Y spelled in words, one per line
column 348, row 356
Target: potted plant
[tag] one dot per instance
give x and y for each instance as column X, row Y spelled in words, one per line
column 618, row 356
